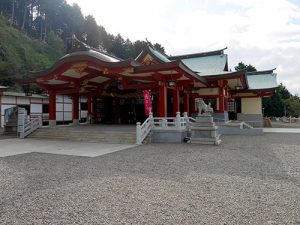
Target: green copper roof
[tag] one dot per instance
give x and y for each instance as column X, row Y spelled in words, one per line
column 159, row 55
column 96, row 54
column 207, row 64
column 262, row 80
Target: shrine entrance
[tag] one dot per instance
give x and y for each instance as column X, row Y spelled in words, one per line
column 112, row 110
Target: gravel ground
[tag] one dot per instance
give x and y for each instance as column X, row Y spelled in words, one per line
column 245, row 180
column 280, row 124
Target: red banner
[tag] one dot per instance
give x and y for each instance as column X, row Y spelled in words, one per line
column 147, row 102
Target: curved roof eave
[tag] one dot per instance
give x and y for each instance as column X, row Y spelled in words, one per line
column 81, row 56
column 229, row 75
column 256, row 90
column 200, row 54
column 261, row 72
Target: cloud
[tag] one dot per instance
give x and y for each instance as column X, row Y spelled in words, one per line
column 263, row 33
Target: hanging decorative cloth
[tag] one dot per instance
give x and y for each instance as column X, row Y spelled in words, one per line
column 147, row 102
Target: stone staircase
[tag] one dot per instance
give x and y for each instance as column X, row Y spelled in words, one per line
column 78, row 133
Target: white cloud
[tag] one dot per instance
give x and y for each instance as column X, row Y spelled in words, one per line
column 263, row 33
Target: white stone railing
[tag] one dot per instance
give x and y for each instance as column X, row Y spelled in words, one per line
column 169, row 123
column 27, row 126
column 142, row 130
column 290, row 119
column 172, row 123
column 161, row 123
column 245, row 125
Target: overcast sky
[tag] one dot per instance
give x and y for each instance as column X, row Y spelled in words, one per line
column 264, row 33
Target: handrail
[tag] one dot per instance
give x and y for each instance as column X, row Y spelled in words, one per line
column 241, row 124
column 25, row 126
column 142, row 130
column 244, row 124
column 168, row 123
column 160, row 123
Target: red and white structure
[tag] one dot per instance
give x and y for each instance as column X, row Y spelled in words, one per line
column 113, row 88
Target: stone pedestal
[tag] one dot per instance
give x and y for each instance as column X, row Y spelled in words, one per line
column 204, row 131
column 75, row 122
column 52, row 123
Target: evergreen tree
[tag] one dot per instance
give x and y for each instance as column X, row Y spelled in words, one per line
column 91, row 32
column 282, row 103
column 243, row 66
column 53, row 22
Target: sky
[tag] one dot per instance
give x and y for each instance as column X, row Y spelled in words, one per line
column 263, row 33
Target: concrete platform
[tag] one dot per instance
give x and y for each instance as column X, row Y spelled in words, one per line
column 282, row 130
column 15, row 146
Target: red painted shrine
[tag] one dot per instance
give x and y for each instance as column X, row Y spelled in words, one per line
column 114, row 87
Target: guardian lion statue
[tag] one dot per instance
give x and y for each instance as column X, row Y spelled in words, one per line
column 202, row 107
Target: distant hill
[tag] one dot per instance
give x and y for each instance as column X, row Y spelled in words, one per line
column 19, row 54
column 53, row 23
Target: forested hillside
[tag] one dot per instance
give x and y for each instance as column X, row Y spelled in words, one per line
column 35, row 33
column 19, row 54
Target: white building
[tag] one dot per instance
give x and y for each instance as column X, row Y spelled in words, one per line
column 39, row 105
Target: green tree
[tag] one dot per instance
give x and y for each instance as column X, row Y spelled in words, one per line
column 91, row 32
column 243, row 66
column 53, row 22
column 55, row 42
column 273, row 106
column 159, row 47
column 292, row 106
column 280, row 103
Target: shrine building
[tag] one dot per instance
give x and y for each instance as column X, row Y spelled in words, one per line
column 114, row 87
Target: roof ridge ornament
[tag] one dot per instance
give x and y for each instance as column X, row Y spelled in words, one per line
column 78, row 45
column 149, row 44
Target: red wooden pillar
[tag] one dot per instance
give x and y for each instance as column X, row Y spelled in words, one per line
column 162, row 101
column 192, row 105
column 118, row 110
column 176, row 101
column 221, row 100
column 52, row 109
column 89, row 104
column 94, row 110
column 186, row 102
column 75, row 109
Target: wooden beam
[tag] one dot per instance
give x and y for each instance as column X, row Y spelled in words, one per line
column 69, row 91
column 139, row 86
